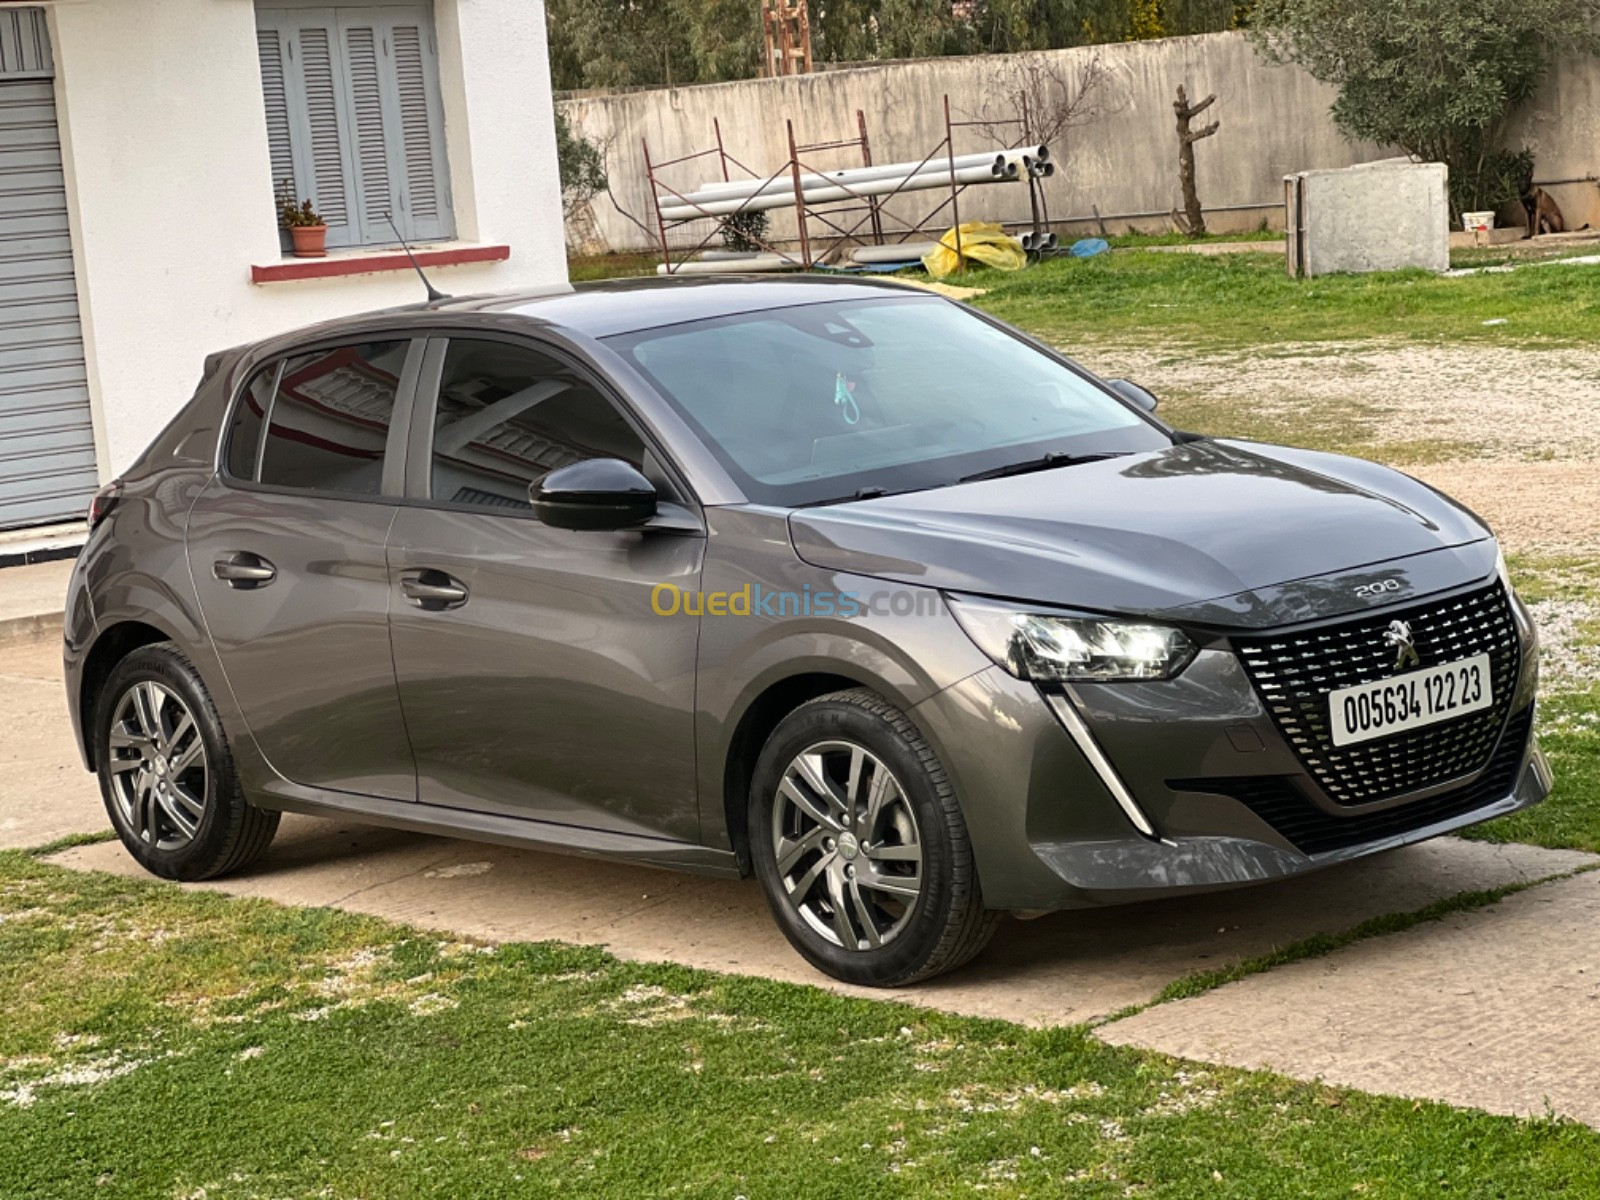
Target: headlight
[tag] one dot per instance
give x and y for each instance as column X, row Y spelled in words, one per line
column 1526, row 629
column 1054, row 649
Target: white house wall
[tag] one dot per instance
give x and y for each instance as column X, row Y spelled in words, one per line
column 170, row 184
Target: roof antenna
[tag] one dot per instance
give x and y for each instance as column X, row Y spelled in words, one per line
column 434, row 294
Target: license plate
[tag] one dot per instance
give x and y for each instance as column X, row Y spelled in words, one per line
column 1410, row 701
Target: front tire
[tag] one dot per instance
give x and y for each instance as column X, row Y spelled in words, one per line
column 860, row 845
column 166, row 772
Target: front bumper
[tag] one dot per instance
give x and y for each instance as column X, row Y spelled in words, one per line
column 1223, row 798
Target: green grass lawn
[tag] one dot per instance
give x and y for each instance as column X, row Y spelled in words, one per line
column 1569, row 708
column 1237, row 300
column 170, row 1044
column 1569, row 732
column 611, row 266
column 1210, row 303
column 1348, row 427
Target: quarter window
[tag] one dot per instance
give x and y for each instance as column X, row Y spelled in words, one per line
column 327, row 423
column 244, row 433
column 508, row 415
column 354, row 119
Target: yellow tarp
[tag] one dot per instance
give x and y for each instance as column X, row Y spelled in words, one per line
column 981, row 242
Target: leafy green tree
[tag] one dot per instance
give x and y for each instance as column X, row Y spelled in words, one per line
column 1436, row 77
column 654, row 43
column 1007, row 26
column 725, row 38
column 618, row 43
column 1181, row 17
column 581, row 163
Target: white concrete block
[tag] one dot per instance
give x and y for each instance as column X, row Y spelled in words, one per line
column 1378, row 216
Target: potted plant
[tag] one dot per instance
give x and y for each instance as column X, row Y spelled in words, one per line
column 305, row 226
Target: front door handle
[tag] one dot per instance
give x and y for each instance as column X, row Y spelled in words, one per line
column 433, row 590
column 244, row 570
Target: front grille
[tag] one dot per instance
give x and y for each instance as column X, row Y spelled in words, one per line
column 1293, row 674
column 1313, row 830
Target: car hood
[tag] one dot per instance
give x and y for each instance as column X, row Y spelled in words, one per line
column 1171, row 530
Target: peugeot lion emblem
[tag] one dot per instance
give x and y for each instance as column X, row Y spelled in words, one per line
column 1399, row 636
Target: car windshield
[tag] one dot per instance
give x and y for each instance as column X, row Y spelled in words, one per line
column 824, row 402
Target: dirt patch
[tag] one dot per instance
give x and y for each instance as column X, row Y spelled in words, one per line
column 1512, row 431
column 1533, row 506
column 1514, row 404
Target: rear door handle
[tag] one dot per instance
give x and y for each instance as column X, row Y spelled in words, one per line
column 244, row 570
column 433, row 590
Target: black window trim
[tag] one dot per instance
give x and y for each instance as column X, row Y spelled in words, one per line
column 425, row 399
column 391, row 486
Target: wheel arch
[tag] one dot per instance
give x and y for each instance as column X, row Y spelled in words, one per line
column 760, row 716
column 111, row 646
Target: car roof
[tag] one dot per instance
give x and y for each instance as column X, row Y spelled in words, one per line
column 614, row 306
column 628, row 305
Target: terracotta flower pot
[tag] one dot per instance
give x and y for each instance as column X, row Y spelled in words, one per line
column 310, row 241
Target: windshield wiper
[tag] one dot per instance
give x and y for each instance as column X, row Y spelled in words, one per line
column 1049, row 461
column 869, row 492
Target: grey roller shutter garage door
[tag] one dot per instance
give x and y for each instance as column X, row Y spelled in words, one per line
column 47, row 458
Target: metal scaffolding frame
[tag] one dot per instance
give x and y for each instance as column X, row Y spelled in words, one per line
column 828, row 224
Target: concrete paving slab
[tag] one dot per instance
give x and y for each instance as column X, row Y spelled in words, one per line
column 44, row 791
column 1497, row 1009
column 33, row 598
column 1060, row 969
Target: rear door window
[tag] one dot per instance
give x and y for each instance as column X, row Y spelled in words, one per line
column 319, row 421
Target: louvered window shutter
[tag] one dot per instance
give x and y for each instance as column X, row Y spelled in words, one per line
column 269, row 45
column 425, row 174
column 305, row 44
column 366, row 131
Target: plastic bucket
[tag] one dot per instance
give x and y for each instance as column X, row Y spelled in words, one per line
column 1477, row 222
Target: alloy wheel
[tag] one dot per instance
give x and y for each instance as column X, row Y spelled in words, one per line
column 847, row 846
column 156, row 760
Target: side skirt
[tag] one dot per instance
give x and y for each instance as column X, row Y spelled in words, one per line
column 504, row 831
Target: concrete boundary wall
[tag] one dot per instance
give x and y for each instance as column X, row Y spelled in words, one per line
column 1275, row 122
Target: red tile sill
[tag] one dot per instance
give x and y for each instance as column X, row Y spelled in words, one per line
column 337, row 265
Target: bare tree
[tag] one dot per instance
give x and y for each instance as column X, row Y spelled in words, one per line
column 1193, row 219
column 1034, row 101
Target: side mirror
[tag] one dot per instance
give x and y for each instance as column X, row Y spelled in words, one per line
column 596, row 494
column 1139, row 397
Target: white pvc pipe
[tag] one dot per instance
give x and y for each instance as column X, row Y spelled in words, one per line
column 730, row 266
column 855, row 182
column 902, row 252
column 848, row 175
column 822, row 195
column 1023, row 159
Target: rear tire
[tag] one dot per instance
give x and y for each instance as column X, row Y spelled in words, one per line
column 860, row 845
column 166, row 772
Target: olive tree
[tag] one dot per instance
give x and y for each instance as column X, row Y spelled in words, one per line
column 581, row 164
column 1437, row 78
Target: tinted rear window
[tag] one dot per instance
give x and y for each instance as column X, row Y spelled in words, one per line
column 244, row 434
column 329, row 419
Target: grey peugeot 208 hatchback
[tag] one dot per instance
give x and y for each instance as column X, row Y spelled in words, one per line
column 842, row 584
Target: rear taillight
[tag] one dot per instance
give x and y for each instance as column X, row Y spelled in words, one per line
column 104, row 501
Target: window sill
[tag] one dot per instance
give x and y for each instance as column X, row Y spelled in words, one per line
column 340, row 263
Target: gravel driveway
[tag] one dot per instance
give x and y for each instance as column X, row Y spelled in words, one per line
column 1512, row 431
